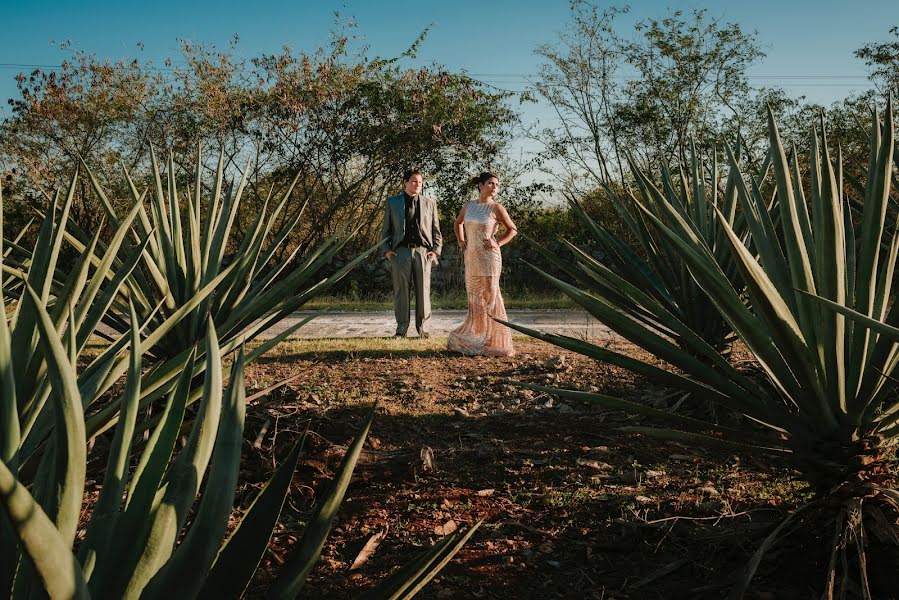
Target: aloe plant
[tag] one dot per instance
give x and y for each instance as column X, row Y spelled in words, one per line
column 819, row 321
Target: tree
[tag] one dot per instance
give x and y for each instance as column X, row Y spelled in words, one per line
column 883, row 60
column 345, row 124
column 87, row 109
column 580, row 81
column 678, row 79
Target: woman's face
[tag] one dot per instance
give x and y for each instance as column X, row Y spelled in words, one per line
column 489, row 188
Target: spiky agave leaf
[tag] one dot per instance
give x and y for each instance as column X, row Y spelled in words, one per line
column 648, row 263
column 818, row 317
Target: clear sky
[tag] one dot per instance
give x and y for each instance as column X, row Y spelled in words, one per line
column 808, row 43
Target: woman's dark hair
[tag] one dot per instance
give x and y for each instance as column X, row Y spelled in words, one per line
column 483, row 178
column 408, row 173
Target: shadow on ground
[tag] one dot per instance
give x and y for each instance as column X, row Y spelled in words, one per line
column 572, row 507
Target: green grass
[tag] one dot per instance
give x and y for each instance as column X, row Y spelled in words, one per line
column 456, row 300
column 355, row 345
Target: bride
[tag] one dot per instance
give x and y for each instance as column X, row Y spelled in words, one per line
column 475, row 228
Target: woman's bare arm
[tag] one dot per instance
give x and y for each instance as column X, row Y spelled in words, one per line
column 459, row 227
column 502, row 215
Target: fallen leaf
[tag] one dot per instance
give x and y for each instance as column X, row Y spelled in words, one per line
column 593, row 464
column 368, row 549
column 447, row 528
column 427, row 459
column 487, row 492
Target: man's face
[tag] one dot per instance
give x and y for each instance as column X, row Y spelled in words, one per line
column 413, row 184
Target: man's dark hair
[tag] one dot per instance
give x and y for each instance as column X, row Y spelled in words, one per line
column 408, row 173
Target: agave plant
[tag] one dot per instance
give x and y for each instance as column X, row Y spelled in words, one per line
column 650, row 267
column 130, row 548
column 820, row 323
column 87, row 289
column 187, row 253
column 174, row 272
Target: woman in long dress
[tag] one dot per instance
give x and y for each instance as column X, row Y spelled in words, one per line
column 475, row 229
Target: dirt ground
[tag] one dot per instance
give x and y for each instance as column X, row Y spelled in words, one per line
column 572, row 506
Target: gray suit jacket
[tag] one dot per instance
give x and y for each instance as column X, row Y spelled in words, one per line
column 394, row 228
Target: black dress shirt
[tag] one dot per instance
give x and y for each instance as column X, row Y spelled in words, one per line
column 413, row 221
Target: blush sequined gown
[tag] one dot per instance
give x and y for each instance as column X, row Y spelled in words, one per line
column 480, row 334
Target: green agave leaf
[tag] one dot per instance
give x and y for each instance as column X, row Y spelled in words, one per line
column 727, row 300
column 70, row 432
column 74, row 285
column 10, row 432
column 181, row 484
column 225, row 220
column 106, row 510
column 873, row 324
column 791, row 344
column 107, row 205
column 103, row 419
column 93, row 314
column 184, row 574
column 175, row 213
column 132, row 528
column 59, row 573
column 411, row 578
column 688, row 437
column 239, row 557
column 686, row 423
column 301, row 560
column 24, row 327
column 660, row 376
column 728, row 385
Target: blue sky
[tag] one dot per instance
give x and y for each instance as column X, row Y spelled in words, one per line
column 808, row 43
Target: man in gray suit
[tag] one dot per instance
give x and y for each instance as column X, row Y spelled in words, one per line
column 412, row 245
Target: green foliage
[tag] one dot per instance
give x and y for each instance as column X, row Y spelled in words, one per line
column 883, row 58
column 344, row 123
column 646, row 94
column 187, row 253
column 171, row 266
column 817, row 315
column 827, row 387
column 642, row 274
column 164, row 539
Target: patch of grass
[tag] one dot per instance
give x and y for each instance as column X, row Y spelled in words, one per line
column 567, row 498
column 347, row 346
column 455, row 300
column 362, row 347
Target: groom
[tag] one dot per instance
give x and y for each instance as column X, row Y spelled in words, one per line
column 413, row 243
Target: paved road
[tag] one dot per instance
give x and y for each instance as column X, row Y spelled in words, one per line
column 575, row 323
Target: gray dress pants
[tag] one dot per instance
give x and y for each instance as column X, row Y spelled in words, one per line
column 410, row 270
